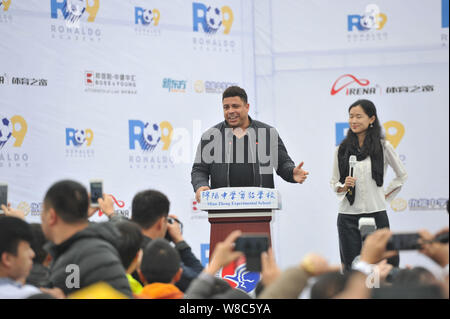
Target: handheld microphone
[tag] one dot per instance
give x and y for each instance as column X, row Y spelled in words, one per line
column 351, row 168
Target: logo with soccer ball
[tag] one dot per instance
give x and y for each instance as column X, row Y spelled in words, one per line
column 78, row 137
column 16, row 126
column 146, row 16
column 151, row 136
column 369, row 20
column 73, row 10
column 212, row 19
column 372, row 19
column 5, row 130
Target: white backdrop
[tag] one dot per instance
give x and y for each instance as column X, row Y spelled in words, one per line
column 126, row 64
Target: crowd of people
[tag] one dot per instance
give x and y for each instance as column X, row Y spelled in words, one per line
column 147, row 257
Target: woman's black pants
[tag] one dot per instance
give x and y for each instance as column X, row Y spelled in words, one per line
column 350, row 241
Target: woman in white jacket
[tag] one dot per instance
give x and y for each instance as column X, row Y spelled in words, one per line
column 363, row 195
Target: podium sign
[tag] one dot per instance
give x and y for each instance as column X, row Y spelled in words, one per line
column 249, row 209
column 240, row 198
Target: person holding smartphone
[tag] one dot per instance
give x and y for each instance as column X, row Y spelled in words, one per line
column 363, row 193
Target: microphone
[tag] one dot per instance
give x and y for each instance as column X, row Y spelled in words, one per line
column 366, row 226
column 351, row 167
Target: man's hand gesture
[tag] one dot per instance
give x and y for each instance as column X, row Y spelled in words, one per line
column 300, row 174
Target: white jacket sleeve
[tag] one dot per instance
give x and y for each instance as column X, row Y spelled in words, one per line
column 394, row 161
column 335, row 184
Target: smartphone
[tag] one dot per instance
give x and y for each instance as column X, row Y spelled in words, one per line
column 96, row 186
column 252, row 245
column 3, row 196
column 408, row 241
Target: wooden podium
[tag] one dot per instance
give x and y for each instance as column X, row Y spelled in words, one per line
column 249, row 209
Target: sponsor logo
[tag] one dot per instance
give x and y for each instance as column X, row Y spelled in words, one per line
column 399, row 204
column 12, row 134
column 345, row 80
column 110, row 83
column 212, row 87
column 355, row 86
column 174, row 86
column 204, row 254
column 146, row 21
column 211, row 19
column 31, row 209
column 444, row 22
column 5, row 17
column 427, row 203
column 5, row 79
column 367, row 27
column 121, row 208
column 419, row 204
column 149, row 144
column 394, row 132
column 445, row 13
column 4, row 5
column 197, row 213
column 74, row 20
column 79, row 142
column 212, row 23
column 239, row 277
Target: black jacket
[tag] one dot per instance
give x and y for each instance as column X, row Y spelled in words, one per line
column 39, row 276
column 218, row 169
column 93, row 251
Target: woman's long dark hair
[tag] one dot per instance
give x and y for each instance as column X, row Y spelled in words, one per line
column 372, row 145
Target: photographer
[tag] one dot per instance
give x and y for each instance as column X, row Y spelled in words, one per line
column 150, row 210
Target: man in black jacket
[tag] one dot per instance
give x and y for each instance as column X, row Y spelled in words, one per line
column 82, row 253
column 240, row 151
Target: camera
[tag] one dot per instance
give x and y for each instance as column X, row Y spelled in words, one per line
column 406, row 241
column 252, row 245
column 172, row 220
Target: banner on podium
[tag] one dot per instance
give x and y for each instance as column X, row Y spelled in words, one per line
column 227, row 198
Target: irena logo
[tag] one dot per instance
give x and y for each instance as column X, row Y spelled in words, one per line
column 344, row 81
column 212, row 19
column 118, row 203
